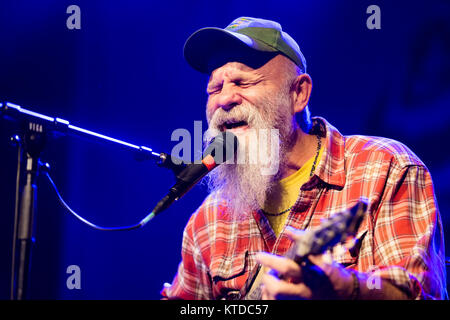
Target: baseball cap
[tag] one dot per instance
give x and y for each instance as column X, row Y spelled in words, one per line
column 246, row 39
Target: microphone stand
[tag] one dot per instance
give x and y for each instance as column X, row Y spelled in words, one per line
column 32, row 146
column 35, row 128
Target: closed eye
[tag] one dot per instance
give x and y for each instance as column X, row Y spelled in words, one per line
column 213, row 90
column 245, row 84
column 238, row 82
column 241, row 83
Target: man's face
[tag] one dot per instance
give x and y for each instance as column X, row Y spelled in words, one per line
column 245, row 101
column 236, row 85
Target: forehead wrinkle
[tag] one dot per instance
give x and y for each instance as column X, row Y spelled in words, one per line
column 231, row 69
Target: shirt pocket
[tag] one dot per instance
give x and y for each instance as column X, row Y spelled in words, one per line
column 229, row 274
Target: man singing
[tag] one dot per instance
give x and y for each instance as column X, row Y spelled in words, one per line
column 236, row 241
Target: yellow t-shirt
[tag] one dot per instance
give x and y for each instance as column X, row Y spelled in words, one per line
column 287, row 194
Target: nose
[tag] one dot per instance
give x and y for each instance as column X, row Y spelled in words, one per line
column 228, row 98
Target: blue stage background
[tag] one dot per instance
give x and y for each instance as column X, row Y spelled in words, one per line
column 123, row 74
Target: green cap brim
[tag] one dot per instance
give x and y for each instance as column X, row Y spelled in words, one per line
column 209, row 48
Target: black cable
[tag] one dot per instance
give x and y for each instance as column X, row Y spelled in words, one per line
column 93, row 225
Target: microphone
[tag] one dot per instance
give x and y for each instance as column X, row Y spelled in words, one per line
column 222, row 148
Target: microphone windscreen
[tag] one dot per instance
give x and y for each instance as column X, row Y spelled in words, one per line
column 223, row 147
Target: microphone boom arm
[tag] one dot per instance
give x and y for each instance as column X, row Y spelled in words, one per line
column 56, row 126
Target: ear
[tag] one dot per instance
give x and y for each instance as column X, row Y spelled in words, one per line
column 301, row 88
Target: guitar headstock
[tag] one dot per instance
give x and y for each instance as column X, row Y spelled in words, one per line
column 332, row 231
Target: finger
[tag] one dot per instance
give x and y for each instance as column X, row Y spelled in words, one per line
column 323, row 262
column 316, row 259
column 280, row 289
column 294, row 234
column 265, row 293
column 284, row 266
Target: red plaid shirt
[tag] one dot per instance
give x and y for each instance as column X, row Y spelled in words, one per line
column 399, row 240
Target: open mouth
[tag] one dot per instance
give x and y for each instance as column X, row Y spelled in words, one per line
column 228, row 125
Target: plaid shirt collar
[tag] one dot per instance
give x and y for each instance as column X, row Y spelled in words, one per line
column 331, row 168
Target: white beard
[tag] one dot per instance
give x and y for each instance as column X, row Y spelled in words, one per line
column 245, row 184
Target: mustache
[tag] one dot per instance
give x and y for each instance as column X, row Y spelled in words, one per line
column 221, row 120
column 244, row 114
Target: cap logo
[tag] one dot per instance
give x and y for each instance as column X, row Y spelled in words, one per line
column 239, row 23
